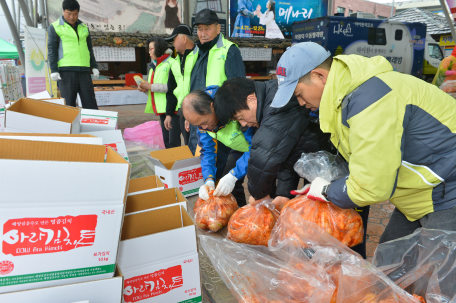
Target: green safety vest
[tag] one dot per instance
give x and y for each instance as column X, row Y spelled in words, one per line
column 215, row 64
column 232, row 136
column 160, row 76
column 72, row 52
column 182, row 80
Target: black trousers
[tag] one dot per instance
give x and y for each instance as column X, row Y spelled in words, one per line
column 73, row 83
column 361, row 248
column 238, row 191
column 185, row 133
column 171, row 137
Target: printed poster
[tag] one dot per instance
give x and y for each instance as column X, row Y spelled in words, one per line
column 272, row 19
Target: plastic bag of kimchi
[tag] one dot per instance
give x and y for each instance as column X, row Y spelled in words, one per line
column 215, row 212
column 356, row 280
column 449, row 86
column 345, row 225
column 252, row 224
column 423, row 263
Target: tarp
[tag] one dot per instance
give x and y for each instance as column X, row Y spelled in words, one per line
column 8, row 51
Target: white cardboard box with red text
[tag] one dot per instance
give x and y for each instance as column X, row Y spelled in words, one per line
column 114, row 139
column 61, row 211
column 97, row 291
column 177, row 167
column 93, row 120
column 144, row 185
column 158, row 257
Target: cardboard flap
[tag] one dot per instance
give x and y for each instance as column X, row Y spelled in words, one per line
column 167, row 157
column 151, row 222
column 113, row 157
column 145, row 183
column 150, row 200
column 45, row 110
column 51, row 151
column 47, row 135
column 99, row 113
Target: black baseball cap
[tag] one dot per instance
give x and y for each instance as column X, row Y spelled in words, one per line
column 180, row 29
column 206, row 16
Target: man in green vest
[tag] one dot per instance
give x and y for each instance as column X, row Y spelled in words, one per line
column 179, row 77
column 71, row 57
column 214, row 59
column 198, row 109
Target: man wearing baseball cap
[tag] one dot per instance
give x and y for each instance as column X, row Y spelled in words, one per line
column 397, row 132
column 179, row 77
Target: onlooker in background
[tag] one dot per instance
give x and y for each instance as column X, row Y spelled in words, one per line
column 71, row 57
column 157, row 87
column 179, row 77
column 214, row 60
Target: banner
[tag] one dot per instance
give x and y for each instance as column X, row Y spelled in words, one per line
column 452, row 7
column 272, row 19
column 150, row 17
column 35, row 66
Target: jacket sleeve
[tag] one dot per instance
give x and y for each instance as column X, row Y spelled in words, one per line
column 375, row 159
column 53, row 49
column 208, row 155
column 93, row 62
column 242, row 8
column 271, row 147
column 234, row 66
column 171, row 100
column 243, row 162
column 159, row 88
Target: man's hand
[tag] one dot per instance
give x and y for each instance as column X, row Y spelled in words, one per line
column 206, row 188
column 144, row 86
column 187, row 126
column 313, row 190
column 279, row 202
column 167, row 123
column 96, row 73
column 252, row 200
column 55, row 77
column 225, row 185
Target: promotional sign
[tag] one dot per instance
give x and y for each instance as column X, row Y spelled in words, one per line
column 151, row 16
column 271, row 19
column 452, row 7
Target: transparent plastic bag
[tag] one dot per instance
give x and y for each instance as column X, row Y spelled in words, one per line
column 138, row 153
column 345, row 225
column 356, row 280
column 214, row 213
column 321, row 164
column 254, row 274
column 449, row 86
column 252, row 224
column 149, row 133
column 423, row 263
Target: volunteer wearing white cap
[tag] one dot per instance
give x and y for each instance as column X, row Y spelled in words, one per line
column 397, row 132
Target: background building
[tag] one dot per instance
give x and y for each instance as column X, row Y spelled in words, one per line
column 429, row 5
column 382, row 11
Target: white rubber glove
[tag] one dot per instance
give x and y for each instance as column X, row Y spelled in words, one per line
column 55, row 77
column 205, row 189
column 96, row 73
column 313, row 190
column 225, row 185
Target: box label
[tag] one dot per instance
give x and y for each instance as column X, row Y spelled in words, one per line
column 113, row 145
column 31, row 236
column 151, row 285
column 95, row 121
column 190, row 176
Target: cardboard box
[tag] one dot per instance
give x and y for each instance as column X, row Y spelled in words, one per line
column 158, row 257
column 114, row 139
column 98, row 291
column 61, row 211
column 28, row 115
column 144, row 185
column 79, row 139
column 97, row 120
column 177, row 167
column 155, row 200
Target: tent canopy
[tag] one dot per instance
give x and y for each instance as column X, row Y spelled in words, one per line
column 7, row 50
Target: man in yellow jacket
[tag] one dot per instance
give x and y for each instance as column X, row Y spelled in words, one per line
column 397, row 132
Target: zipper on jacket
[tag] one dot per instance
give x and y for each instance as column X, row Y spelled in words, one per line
column 409, row 166
column 443, row 191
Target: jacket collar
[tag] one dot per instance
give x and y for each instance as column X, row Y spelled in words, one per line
column 162, row 59
column 260, row 94
column 62, row 21
column 218, row 41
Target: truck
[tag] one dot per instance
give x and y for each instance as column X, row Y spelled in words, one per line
column 405, row 45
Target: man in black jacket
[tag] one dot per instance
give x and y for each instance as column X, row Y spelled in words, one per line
column 283, row 135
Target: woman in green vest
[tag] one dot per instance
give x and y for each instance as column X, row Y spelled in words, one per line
column 156, row 88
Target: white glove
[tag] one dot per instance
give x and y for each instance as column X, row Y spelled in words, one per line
column 313, row 190
column 96, row 73
column 225, row 185
column 55, row 77
column 205, row 189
